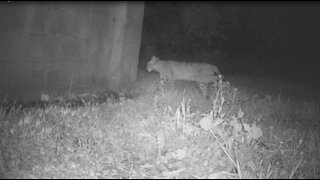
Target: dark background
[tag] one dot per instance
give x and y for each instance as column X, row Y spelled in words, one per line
column 268, row 39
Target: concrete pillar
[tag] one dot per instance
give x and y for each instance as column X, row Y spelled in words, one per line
column 119, row 24
column 124, row 58
column 132, row 44
column 55, row 46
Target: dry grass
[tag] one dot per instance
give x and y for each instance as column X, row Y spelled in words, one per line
column 171, row 134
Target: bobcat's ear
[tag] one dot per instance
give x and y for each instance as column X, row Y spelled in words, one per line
column 154, row 59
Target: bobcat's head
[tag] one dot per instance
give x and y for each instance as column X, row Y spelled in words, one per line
column 151, row 63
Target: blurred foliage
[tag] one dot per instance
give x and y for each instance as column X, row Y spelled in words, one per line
column 266, row 38
column 173, row 28
column 280, row 29
column 282, row 37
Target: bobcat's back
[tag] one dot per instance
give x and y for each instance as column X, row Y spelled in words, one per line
column 188, row 71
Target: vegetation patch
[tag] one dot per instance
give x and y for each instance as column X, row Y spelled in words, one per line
column 175, row 133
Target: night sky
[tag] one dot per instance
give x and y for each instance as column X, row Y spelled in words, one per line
column 270, row 39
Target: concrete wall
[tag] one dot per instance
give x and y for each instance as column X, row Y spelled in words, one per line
column 48, row 46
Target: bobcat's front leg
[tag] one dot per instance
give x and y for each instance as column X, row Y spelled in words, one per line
column 165, row 84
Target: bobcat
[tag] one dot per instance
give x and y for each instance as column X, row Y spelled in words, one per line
column 202, row 73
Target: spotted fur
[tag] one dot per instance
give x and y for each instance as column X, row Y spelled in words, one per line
column 202, row 73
